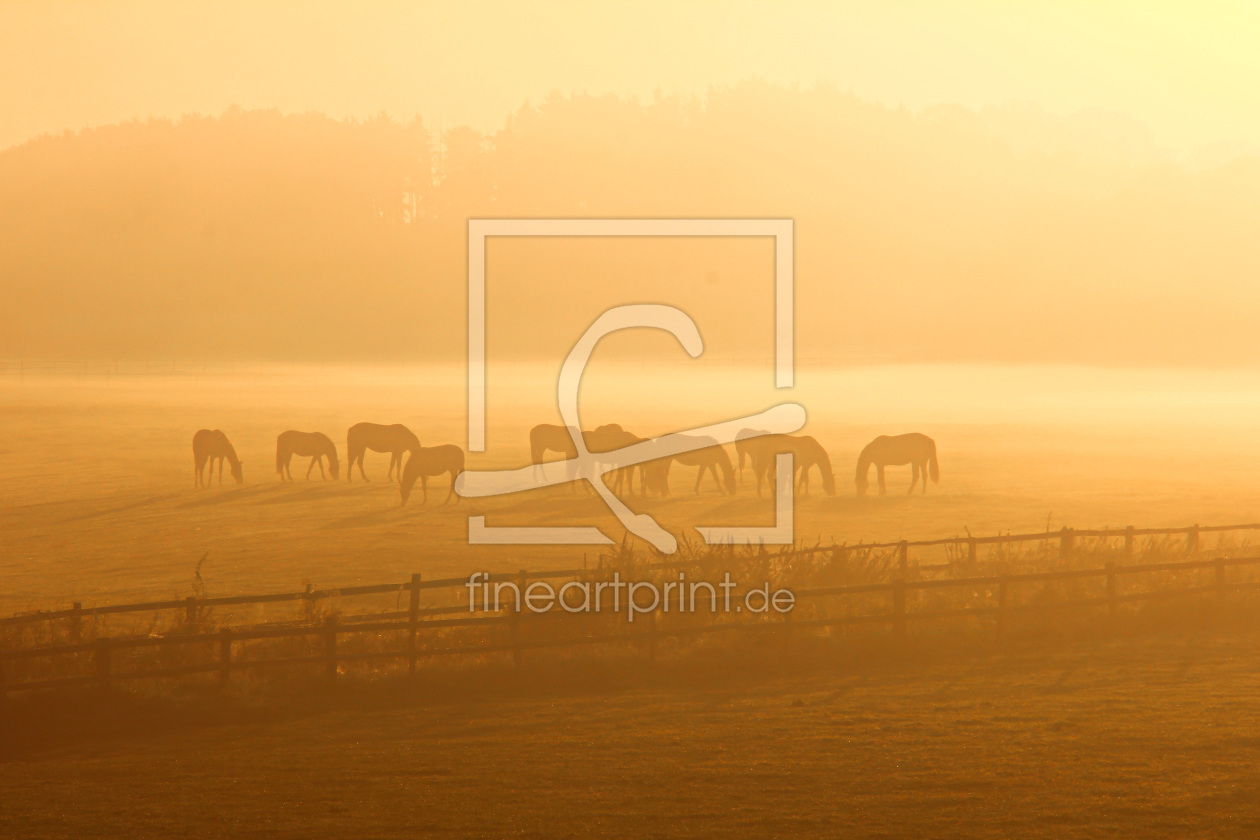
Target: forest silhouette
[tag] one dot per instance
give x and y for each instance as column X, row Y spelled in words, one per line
column 945, row 234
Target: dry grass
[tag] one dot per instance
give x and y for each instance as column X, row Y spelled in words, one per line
column 1097, row 738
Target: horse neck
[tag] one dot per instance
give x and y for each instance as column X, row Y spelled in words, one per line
column 230, row 454
column 824, row 464
column 864, row 462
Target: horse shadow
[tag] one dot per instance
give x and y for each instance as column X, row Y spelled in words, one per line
column 225, row 495
column 139, row 503
column 384, row 516
column 317, row 490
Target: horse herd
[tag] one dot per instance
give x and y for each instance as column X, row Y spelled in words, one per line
column 708, row 456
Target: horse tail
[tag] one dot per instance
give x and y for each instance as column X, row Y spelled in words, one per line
column 933, row 469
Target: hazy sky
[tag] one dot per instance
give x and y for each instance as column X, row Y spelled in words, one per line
column 1188, row 69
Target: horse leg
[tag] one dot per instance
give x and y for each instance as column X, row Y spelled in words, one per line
column 311, row 466
column 923, row 470
column 320, row 460
column 362, row 453
column 452, row 490
column 716, row 482
column 914, row 477
column 879, row 469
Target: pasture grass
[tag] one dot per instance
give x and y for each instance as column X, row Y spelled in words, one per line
column 1152, row 736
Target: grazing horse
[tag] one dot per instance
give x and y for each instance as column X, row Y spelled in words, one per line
column 607, row 439
column 654, row 474
column 742, row 447
column 395, row 440
column 709, row 458
column 547, row 437
column 209, row 444
column 314, row 445
column 426, row 461
column 898, row 450
column 806, row 453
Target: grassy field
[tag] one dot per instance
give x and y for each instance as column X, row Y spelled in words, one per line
column 98, row 503
column 1151, row 737
column 1144, row 736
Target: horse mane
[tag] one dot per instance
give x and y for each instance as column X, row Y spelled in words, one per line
column 864, row 462
column 821, row 458
column 230, row 452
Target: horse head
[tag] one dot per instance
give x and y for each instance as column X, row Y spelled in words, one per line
column 237, row 472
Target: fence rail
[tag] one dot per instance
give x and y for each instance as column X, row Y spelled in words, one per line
column 1066, row 537
column 417, row 621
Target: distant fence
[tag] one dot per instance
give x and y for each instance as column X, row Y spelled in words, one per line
column 1066, row 538
column 413, row 624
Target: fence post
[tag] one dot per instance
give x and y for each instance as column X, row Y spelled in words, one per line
column 1001, row 616
column 330, row 648
column 413, row 623
column 1113, row 604
column 190, row 610
column 1066, row 541
column 1220, row 579
column 101, row 658
column 903, row 551
column 1128, row 541
column 899, row 610
column 225, row 657
column 838, row 555
column 971, row 550
column 76, row 623
column 1192, row 538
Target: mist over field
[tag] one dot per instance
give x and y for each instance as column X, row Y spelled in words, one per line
column 977, row 558
column 943, row 234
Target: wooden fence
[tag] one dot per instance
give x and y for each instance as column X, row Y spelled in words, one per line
column 416, row 622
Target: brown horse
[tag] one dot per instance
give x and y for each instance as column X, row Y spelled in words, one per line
column 654, row 475
column 396, row 440
column 919, row 451
column 606, row 440
column 709, row 458
column 209, row 444
column 548, row 437
column 742, row 448
column 314, row 445
column 806, row 453
column 426, row 461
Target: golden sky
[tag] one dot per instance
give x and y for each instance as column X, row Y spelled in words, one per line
column 1186, row 69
